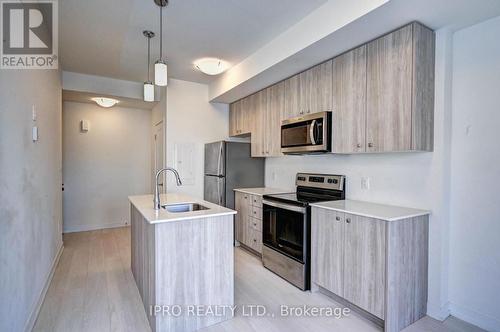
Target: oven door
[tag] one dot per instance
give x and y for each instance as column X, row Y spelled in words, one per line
column 284, row 229
column 310, row 133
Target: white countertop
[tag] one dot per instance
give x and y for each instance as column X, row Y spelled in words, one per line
column 144, row 205
column 372, row 210
column 262, row 191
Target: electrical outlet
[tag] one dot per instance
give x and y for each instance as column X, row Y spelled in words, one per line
column 365, row 183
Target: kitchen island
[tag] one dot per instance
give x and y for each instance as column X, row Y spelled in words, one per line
column 182, row 261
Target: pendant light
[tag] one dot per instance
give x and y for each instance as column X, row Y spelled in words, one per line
column 149, row 88
column 161, row 78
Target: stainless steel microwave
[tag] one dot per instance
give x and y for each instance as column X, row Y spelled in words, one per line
column 307, row 134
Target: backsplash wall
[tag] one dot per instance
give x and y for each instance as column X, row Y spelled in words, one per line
column 397, row 179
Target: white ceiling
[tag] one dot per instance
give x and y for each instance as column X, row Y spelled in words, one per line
column 104, row 37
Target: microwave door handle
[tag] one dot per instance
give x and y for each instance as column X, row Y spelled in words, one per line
column 312, row 131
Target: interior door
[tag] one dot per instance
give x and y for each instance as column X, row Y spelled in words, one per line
column 158, row 156
column 214, row 189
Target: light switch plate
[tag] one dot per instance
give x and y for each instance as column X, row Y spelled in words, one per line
column 84, row 126
column 34, row 133
column 365, row 183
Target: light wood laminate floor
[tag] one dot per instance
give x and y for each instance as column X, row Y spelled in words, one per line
column 93, row 290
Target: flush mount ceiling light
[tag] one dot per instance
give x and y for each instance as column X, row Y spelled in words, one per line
column 149, row 88
column 161, row 72
column 105, row 102
column 211, row 66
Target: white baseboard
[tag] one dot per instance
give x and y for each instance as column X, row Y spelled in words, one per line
column 86, row 228
column 439, row 313
column 473, row 317
column 36, row 310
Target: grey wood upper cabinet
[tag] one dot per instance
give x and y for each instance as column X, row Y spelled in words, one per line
column 381, row 95
column 272, row 119
column 309, row 92
column 316, row 89
column 400, row 90
column 364, row 263
column 292, row 98
column 266, row 133
column 349, row 101
column 258, row 114
column 234, row 118
column 240, row 117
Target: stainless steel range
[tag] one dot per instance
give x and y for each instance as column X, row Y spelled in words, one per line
column 287, row 225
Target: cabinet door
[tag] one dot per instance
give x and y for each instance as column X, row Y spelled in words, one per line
column 316, row 89
column 259, row 110
column 234, row 114
column 349, row 101
column 327, row 245
column 244, row 115
column 389, row 92
column 275, row 107
column 242, row 206
column 292, row 99
column 364, row 263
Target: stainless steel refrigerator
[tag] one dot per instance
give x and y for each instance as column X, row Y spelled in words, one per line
column 228, row 165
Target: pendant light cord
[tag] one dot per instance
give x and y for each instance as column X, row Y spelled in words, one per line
column 149, row 57
column 161, row 32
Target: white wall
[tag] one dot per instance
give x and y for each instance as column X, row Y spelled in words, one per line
column 419, row 180
column 192, row 119
column 475, row 176
column 30, row 192
column 105, row 165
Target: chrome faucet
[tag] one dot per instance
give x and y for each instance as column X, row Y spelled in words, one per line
column 157, row 204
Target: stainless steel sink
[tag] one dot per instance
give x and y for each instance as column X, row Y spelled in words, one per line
column 183, row 207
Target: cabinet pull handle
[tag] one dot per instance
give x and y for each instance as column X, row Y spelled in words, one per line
column 358, row 145
column 370, row 145
column 348, row 220
column 337, row 218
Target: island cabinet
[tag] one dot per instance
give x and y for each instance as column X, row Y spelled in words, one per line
column 180, row 262
column 248, row 221
column 383, row 94
column 377, row 267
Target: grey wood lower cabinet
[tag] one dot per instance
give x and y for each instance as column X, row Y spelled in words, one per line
column 248, row 221
column 378, row 266
column 181, row 264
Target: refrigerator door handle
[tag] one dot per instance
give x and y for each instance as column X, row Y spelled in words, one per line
column 218, row 191
column 219, row 159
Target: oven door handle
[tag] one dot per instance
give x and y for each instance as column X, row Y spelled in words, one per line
column 312, row 132
column 285, row 206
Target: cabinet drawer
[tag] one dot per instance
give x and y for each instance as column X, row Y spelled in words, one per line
column 254, row 239
column 255, row 224
column 256, row 200
column 256, row 212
